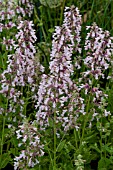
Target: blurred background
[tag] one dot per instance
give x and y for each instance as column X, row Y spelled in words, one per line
column 49, row 13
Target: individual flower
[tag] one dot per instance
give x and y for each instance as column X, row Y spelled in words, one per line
column 79, row 162
column 8, row 43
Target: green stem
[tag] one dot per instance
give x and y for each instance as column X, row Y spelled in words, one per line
column 105, row 145
column 62, row 10
column 75, row 134
column 3, row 129
column 54, row 168
column 85, row 121
column 101, row 138
column 111, row 17
column 49, row 17
column 40, row 22
column 2, row 140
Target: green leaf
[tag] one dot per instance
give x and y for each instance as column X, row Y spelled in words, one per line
column 51, row 30
column 67, row 149
column 4, row 160
column 61, row 146
column 89, row 137
column 12, row 151
column 95, row 148
column 71, row 146
column 51, row 124
column 14, row 141
column 103, row 164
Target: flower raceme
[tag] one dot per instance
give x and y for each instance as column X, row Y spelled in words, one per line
column 21, row 66
column 55, row 88
column 28, row 135
column 21, row 69
column 99, row 49
column 27, row 9
column 11, row 14
column 21, row 73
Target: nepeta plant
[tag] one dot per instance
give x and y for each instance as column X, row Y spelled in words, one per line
column 54, row 94
column 98, row 47
column 54, row 88
column 22, row 66
column 21, row 70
